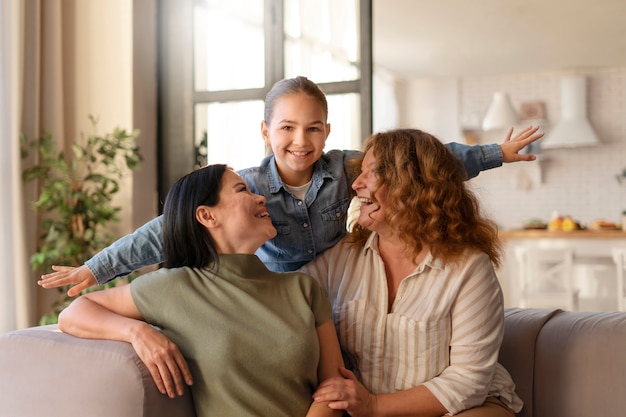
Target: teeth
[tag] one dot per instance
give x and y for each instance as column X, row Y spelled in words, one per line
column 299, row 153
column 263, row 215
column 364, row 200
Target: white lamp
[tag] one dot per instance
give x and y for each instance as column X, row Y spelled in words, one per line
column 500, row 114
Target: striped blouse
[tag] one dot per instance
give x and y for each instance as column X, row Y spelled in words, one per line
column 444, row 329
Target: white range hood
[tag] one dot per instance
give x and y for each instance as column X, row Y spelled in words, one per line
column 573, row 130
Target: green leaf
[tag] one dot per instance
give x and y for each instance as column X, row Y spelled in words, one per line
column 76, row 194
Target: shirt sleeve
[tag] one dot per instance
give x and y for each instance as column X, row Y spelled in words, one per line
column 143, row 247
column 476, row 158
column 155, row 295
column 477, row 328
column 319, row 304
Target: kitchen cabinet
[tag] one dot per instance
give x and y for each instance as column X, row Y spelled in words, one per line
column 594, row 267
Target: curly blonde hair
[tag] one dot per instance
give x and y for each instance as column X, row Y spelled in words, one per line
column 427, row 198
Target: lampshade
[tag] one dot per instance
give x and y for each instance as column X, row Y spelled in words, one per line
column 500, row 114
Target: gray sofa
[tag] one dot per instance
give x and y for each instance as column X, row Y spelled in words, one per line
column 563, row 363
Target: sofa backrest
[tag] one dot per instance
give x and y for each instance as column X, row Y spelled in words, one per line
column 580, row 365
column 566, row 364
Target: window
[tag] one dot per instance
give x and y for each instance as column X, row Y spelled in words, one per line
column 218, row 60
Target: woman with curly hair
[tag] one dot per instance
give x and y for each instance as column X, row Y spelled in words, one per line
column 416, row 301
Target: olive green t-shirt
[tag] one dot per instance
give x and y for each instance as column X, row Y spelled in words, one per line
column 248, row 334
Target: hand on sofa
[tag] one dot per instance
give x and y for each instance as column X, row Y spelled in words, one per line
column 163, row 359
column 112, row 315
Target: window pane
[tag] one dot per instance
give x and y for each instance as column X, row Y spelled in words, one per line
column 321, row 39
column 228, row 42
column 230, row 133
column 345, row 123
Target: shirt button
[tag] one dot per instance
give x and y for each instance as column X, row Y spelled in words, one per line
column 310, row 251
column 299, row 202
column 305, row 225
column 338, row 214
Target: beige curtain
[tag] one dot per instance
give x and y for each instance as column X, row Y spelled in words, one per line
column 13, row 265
column 32, row 49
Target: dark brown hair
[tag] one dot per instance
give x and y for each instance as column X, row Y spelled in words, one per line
column 187, row 242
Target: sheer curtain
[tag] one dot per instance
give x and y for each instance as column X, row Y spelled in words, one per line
column 31, row 102
column 14, row 298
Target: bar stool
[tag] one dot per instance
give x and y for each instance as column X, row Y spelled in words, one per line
column 546, row 278
column 619, row 256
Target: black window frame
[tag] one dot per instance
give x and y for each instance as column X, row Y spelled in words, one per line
column 176, row 147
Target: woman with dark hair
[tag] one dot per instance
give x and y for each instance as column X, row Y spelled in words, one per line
column 256, row 342
column 416, row 302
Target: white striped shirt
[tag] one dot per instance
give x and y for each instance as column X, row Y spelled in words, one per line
column 444, row 329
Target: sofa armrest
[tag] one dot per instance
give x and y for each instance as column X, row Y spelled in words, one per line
column 46, row 372
column 517, row 353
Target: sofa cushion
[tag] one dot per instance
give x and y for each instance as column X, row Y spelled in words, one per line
column 44, row 372
column 581, row 365
column 517, row 353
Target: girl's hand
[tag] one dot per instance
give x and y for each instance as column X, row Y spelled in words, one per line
column 511, row 147
column 81, row 278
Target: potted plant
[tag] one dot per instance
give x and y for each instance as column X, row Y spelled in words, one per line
column 75, row 198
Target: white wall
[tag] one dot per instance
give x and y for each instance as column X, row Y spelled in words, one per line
column 422, row 101
column 579, row 182
column 102, row 72
column 115, row 77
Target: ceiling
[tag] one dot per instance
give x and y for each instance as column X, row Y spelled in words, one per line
column 489, row 37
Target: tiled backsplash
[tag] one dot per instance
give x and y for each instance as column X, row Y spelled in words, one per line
column 579, row 182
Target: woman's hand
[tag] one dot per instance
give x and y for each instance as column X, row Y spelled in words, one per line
column 348, row 394
column 163, row 359
column 81, row 278
column 511, row 147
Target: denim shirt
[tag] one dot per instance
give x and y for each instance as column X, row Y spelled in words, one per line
column 305, row 228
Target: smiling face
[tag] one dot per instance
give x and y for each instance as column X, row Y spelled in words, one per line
column 239, row 223
column 371, row 196
column 297, row 134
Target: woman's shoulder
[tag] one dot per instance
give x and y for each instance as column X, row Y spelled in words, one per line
column 469, row 263
column 476, row 256
column 474, row 265
column 165, row 276
column 299, row 277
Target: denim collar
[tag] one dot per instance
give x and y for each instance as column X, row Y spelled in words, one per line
column 275, row 182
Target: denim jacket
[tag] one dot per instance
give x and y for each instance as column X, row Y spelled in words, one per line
column 305, row 228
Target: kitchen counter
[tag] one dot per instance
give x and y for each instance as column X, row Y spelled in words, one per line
column 593, row 258
column 575, row 234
